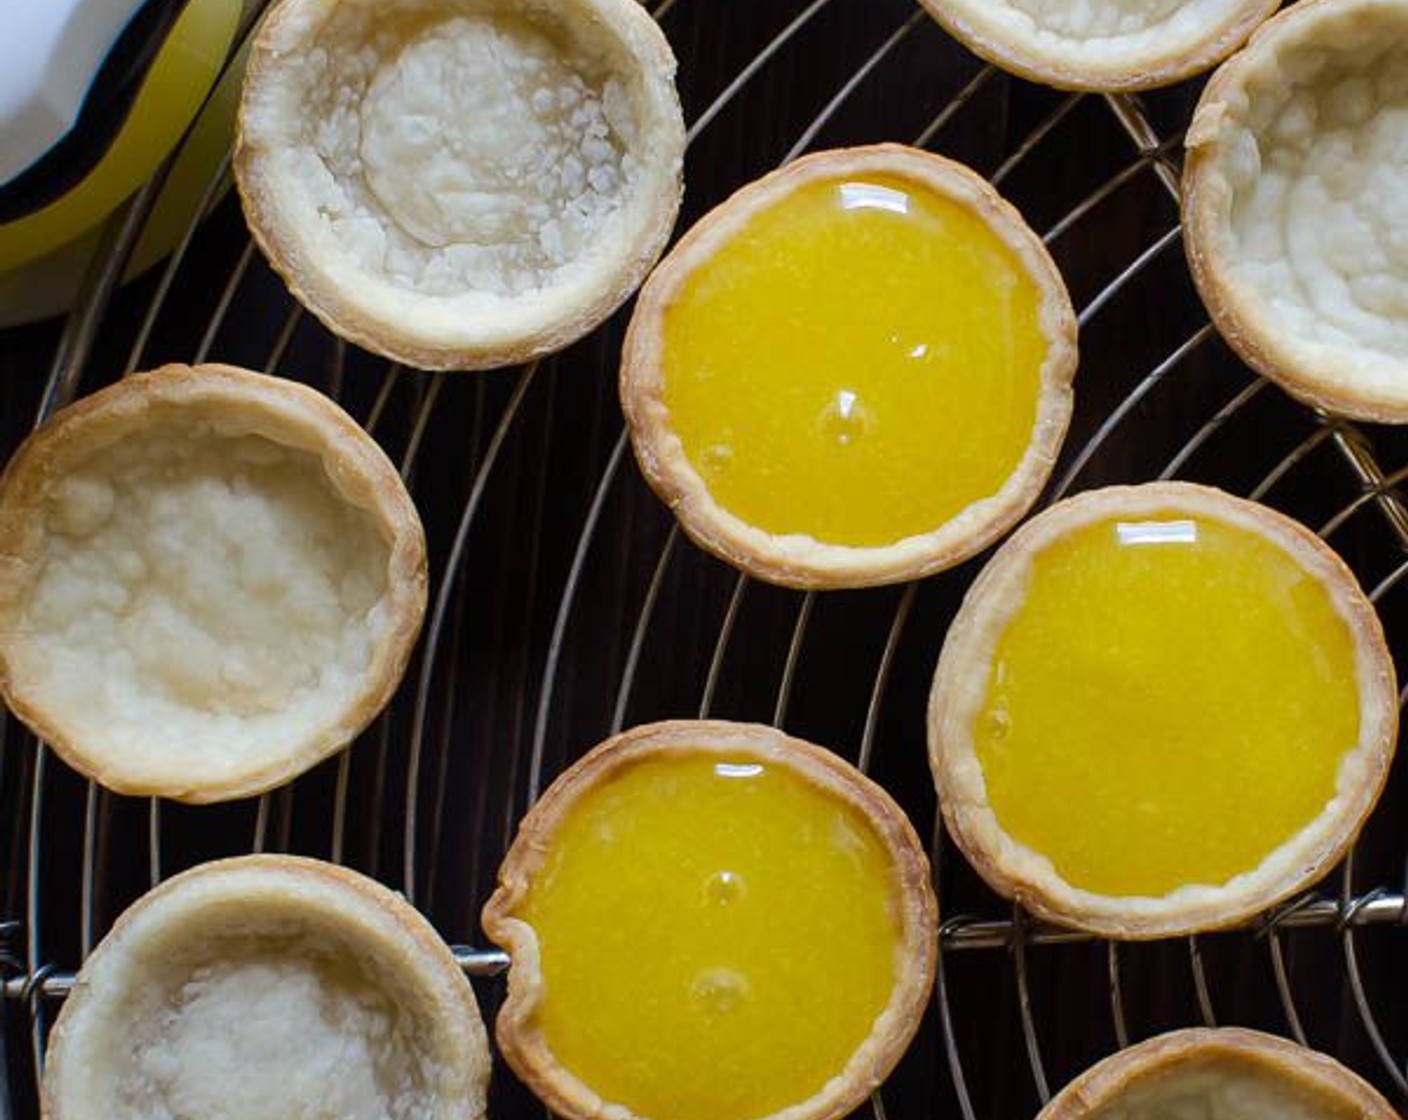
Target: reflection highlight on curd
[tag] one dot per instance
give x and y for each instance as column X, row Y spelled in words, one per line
column 872, row 196
column 738, row 769
column 1157, row 532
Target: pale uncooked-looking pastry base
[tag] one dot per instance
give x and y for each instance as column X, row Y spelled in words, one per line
column 1218, row 1074
column 1099, row 44
column 500, row 197
column 799, row 560
column 1296, row 217
column 198, row 587
column 961, row 682
column 460, row 182
column 523, row 1045
column 210, row 580
column 269, row 986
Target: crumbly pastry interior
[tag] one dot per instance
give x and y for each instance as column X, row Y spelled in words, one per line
column 1222, row 1088
column 1095, row 32
column 275, row 1030
column 857, row 364
column 689, row 916
column 1158, row 670
column 1314, row 150
column 202, row 594
column 457, row 147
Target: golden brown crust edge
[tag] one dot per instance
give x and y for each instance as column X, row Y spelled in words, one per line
column 1204, row 198
column 320, row 893
column 293, row 415
column 1309, row 1072
column 1016, row 872
column 804, row 563
column 526, row 1050
column 1128, row 76
column 282, row 246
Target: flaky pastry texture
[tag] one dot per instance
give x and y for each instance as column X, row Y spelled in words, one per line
column 460, row 184
column 274, row 987
column 1218, row 1074
column 1110, row 45
column 1294, row 210
column 210, row 580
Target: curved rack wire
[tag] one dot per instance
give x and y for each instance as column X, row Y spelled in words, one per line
column 565, row 604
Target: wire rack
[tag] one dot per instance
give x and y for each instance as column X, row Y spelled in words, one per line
column 566, row 605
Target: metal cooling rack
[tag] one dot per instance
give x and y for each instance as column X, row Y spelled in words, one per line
column 565, row 604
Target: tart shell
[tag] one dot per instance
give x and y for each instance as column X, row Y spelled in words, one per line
column 798, row 560
column 443, row 332
column 960, row 683
column 527, row 1051
column 1319, row 1083
column 1004, row 34
column 1234, row 152
column 357, row 924
column 237, row 401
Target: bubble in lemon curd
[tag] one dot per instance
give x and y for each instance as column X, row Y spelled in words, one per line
column 724, row 888
column 719, row 991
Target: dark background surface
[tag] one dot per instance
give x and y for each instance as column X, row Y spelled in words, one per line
column 572, row 607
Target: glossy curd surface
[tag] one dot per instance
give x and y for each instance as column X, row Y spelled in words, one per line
column 717, row 937
column 858, row 363
column 1170, row 704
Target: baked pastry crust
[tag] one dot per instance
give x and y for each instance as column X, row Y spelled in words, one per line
column 210, row 579
column 214, row 963
column 1261, row 1075
column 798, row 560
column 1096, row 45
column 527, row 1051
column 1292, row 204
column 460, row 239
column 960, row 683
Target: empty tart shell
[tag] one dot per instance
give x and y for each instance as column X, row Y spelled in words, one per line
column 1123, row 45
column 1222, row 1074
column 739, row 747
column 799, row 559
column 210, row 580
column 460, row 184
column 269, row 986
column 1292, row 204
column 970, row 669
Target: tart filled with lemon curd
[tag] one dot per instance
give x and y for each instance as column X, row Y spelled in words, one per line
column 273, row 987
column 1160, row 709
column 1293, row 204
column 460, row 184
column 855, row 371
column 712, row 921
column 1218, row 1074
column 1109, row 45
column 210, row 580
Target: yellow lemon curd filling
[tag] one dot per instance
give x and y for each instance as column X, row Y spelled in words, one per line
column 858, row 363
column 717, row 937
column 1169, row 705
